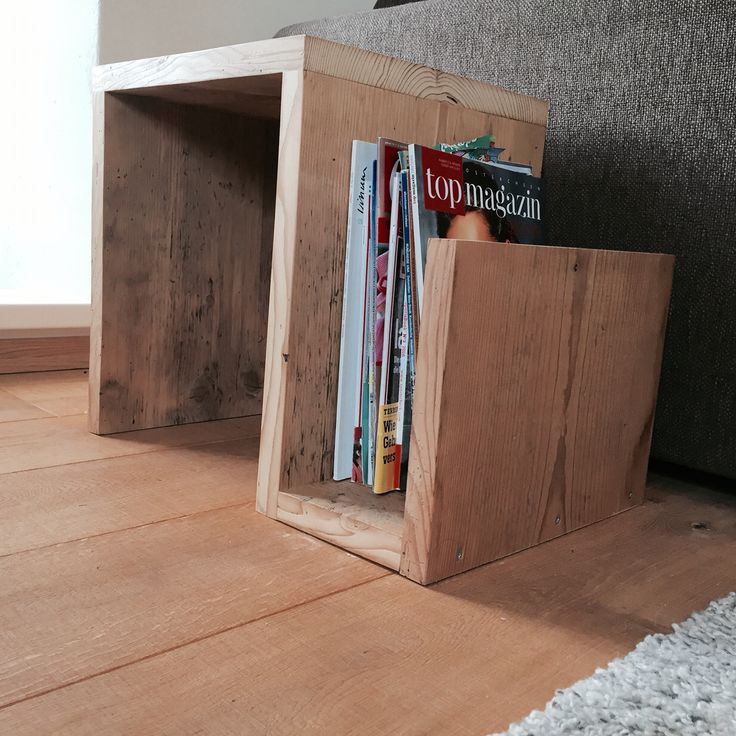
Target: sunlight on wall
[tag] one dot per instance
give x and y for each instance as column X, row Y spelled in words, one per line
column 47, row 50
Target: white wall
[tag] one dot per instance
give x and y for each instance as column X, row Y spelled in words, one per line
column 133, row 29
column 47, row 49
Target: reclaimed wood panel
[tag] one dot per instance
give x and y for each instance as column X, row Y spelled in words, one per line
column 285, row 233
column 398, row 75
column 253, row 97
column 97, row 233
column 466, row 656
column 182, row 257
column 302, row 357
column 536, row 385
column 23, row 354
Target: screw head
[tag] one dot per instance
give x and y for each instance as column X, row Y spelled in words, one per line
column 459, row 553
column 557, row 519
column 631, row 494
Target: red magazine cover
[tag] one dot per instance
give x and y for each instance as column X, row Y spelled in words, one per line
column 460, row 198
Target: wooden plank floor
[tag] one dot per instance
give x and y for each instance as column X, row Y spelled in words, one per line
column 140, row 593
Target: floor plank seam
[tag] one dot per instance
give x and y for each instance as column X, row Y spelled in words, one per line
column 196, row 640
column 82, row 369
column 127, row 528
column 58, row 416
column 56, row 397
column 132, row 454
column 38, row 419
column 13, row 391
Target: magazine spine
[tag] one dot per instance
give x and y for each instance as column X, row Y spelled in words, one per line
column 371, row 320
column 386, row 474
column 415, row 185
column 348, row 386
column 362, row 427
column 388, row 320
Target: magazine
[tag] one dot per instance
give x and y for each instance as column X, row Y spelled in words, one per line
column 387, row 164
column 368, row 398
column 387, row 460
column 466, row 199
column 406, row 337
column 400, row 198
column 349, row 376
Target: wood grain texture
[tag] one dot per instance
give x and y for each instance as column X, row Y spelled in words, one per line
column 71, row 611
column 348, row 515
column 65, row 503
column 97, row 234
column 204, row 70
column 272, row 56
column 156, row 366
column 536, row 385
column 253, row 97
column 181, row 265
column 397, row 75
column 302, row 355
column 466, row 656
column 42, row 443
column 285, row 232
column 43, row 353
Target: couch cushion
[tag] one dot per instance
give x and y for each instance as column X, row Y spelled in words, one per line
column 640, row 155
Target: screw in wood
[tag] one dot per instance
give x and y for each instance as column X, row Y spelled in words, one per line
column 631, row 494
column 459, row 553
column 557, row 519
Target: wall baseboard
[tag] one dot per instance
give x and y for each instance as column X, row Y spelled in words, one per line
column 30, row 354
column 44, row 319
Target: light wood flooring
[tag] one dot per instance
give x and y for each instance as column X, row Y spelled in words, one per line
column 140, row 593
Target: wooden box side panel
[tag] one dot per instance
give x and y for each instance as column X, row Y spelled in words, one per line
column 298, row 436
column 536, row 386
column 98, row 198
column 182, row 254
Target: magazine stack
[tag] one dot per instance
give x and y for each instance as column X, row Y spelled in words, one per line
column 401, row 196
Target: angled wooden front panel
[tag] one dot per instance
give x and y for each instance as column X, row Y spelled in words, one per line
column 536, row 386
column 182, row 255
column 323, row 117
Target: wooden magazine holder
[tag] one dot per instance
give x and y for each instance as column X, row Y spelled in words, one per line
column 220, row 201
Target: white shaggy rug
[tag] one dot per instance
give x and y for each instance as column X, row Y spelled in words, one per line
column 678, row 684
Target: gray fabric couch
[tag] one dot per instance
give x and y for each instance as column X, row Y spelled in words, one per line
column 640, row 155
